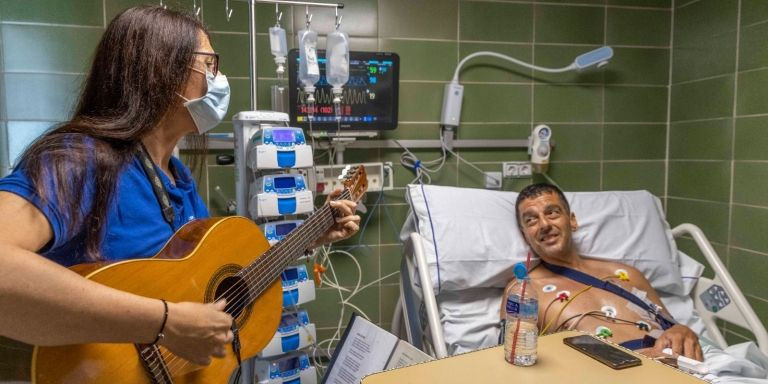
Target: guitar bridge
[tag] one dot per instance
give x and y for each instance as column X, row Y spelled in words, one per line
column 153, row 363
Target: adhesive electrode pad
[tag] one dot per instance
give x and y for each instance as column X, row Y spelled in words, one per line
column 603, row 332
column 608, row 311
column 549, row 288
column 622, row 274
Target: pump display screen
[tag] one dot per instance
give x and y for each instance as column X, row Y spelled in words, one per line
column 289, row 364
column 290, row 274
column 285, row 182
column 369, row 99
column 284, row 229
column 283, row 136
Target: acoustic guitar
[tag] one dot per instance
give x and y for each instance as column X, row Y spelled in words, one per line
column 205, row 260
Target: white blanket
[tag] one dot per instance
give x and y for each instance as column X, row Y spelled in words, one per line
column 740, row 363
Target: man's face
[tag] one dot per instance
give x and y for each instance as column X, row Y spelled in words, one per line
column 546, row 225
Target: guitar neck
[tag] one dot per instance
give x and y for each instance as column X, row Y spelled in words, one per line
column 262, row 273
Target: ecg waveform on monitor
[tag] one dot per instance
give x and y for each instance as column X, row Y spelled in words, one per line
column 348, row 96
column 354, row 81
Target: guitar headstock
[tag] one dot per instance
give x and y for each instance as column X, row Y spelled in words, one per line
column 355, row 181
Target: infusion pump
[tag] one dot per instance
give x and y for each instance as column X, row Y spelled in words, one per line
column 279, row 148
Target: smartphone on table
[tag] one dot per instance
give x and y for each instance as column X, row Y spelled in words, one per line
column 602, row 351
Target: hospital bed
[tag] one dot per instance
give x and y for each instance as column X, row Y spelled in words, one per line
column 460, row 245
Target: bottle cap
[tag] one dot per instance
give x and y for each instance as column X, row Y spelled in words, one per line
column 520, row 271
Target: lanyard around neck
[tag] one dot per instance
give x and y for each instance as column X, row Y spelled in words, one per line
column 587, row 279
column 157, row 185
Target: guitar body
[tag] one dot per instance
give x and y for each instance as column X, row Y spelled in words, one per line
column 197, row 264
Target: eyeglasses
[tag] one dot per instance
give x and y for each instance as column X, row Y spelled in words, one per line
column 213, row 65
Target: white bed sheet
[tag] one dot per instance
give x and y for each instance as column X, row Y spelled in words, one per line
column 739, row 363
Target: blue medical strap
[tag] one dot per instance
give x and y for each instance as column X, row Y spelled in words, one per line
column 586, row 279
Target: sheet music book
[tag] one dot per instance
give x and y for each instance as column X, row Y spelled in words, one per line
column 365, row 348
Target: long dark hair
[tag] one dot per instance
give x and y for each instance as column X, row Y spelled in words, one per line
column 141, row 62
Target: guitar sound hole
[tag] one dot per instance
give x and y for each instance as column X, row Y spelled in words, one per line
column 235, row 290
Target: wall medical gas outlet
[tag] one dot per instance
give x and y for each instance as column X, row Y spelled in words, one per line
column 276, row 195
column 279, row 148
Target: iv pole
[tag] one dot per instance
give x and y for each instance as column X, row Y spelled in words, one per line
column 228, row 143
column 252, row 36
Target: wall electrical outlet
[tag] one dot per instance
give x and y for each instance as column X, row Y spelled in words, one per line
column 325, row 178
column 516, row 169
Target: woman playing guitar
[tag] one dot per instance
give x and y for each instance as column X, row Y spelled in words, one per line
column 81, row 193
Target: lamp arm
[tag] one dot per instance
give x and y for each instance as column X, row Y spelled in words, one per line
column 511, row 60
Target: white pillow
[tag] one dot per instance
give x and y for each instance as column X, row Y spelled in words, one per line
column 471, row 240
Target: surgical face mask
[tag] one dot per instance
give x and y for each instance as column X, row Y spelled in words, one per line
column 208, row 111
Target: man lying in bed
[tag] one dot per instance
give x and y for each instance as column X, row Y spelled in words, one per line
column 610, row 299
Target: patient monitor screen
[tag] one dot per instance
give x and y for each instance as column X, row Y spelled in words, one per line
column 369, row 100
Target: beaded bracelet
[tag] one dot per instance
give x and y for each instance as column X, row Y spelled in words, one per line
column 161, row 335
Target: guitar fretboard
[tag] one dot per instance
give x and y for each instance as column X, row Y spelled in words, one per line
column 263, row 272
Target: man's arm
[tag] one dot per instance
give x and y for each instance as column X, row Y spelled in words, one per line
column 44, row 303
column 681, row 339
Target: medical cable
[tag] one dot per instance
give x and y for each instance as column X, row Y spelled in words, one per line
column 422, row 168
column 325, row 259
column 345, row 301
column 409, row 160
column 561, row 297
column 598, row 315
column 342, row 300
column 372, row 210
column 336, row 335
column 321, row 366
column 470, row 164
column 619, row 275
column 580, row 316
column 567, row 303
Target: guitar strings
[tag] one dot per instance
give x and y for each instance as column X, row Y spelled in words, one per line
column 243, row 291
column 324, row 212
column 175, row 363
column 323, row 217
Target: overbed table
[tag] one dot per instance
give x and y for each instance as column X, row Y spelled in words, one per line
column 557, row 363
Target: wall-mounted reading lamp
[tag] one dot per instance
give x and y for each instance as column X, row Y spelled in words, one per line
column 452, row 96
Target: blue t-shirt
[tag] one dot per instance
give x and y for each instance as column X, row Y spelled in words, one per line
column 135, row 226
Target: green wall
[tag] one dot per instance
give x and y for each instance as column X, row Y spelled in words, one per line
column 718, row 173
column 610, row 126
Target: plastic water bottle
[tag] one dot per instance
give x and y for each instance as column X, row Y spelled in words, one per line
column 309, row 70
column 521, row 332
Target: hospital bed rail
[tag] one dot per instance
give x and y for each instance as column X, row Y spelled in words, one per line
column 740, row 313
column 408, row 324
